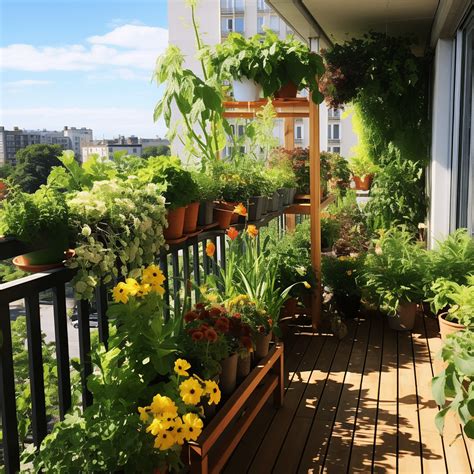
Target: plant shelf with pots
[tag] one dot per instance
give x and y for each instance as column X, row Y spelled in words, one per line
column 221, row 436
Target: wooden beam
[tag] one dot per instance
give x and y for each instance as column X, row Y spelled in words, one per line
column 314, row 179
column 289, row 133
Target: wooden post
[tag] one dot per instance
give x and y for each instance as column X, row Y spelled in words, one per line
column 290, row 145
column 314, row 180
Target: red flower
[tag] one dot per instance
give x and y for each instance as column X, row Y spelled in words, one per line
column 211, row 335
column 232, row 233
column 222, row 325
column 200, row 306
column 270, row 322
column 190, row 316
column 203, row 327
column 204, row 314
column 215, row 312
column 197, row 335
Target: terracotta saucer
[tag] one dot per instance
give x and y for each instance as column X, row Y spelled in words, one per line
column 19, row 262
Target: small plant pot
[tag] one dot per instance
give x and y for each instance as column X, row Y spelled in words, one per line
column 54, row 254
column 262, row 345
column 255, row 208
column 274, row 202
column 448, row 327
column 286, row 196
column 206, row 214
column 363, row 184
column 287, row 91
column 175, row 227
column 191, row 218
column 404, row 320
column 243, row 366
column 230, row 206
column 228, row 377
column 223, row 218
column 292, row 194
column 265, row 204
column 281, row 198
column 246, row 90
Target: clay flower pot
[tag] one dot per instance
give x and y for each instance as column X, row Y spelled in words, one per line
column 206, row 214
column 404, row 320
column 228, row 377
column 292, row 194
column 191, row 217
column 223, row 217
column 262, row 345
column 255, row 208
column 363, row 184
column 230, row 206
column 448, row 327
column 175, row 227
column 287, row 91
column 243, row 366
column 274, row 202
column 265, row 205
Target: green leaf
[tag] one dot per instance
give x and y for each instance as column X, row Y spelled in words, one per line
column 437, row 386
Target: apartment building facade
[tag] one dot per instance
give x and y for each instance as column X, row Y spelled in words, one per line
column 105, row 149
column 78, row 138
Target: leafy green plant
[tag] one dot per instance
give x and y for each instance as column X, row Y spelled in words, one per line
column 393, row 273
column 271, row 62
column 453, row 388
column 335, row 172
column 362, row 165
column 208, row 188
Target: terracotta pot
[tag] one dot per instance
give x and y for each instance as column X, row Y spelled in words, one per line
column 288, row 91
column 243, row 366
column 191, row 217
column 363, row 184
column 404, row 320
column 228, row 377
column 448, row 327
column 274, row 202
column 262, row 345
column 54, row 254
column 175, row 227
column 292, row 194
column 223, row 218
column 286, row 196
column 206, row 214
column 230, row 206
column 255, row 208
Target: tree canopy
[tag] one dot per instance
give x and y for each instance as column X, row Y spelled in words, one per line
column 159, row 150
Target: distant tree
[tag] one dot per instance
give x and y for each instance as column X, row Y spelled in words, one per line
column 6, row 171
column 34, row 164
column 160, row 150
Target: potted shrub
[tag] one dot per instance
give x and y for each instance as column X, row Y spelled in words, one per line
column 330, row 231
column 454, row 305
column 453, row 388
column 362, row 169
column 393, row 276
column 335, row 172
column 208, row 192
column 278, row 66
column 42, row 217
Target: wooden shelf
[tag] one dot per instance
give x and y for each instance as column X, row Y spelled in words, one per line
column 304, row 208
column 284, row 108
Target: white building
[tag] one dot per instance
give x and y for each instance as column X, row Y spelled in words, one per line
column 106, row 148
column 217, row 18
column 78, row 137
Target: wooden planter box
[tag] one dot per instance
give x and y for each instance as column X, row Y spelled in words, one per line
column 221, row 436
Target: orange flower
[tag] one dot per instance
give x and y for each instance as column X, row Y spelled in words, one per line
column 252, row 231
column 210, row 249
column 240, row 210
column 232, row 233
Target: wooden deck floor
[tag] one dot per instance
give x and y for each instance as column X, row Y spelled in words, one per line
column 360, row 404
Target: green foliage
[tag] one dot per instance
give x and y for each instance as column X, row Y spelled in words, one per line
column 339, row 275
column 29, row 217
column 362, row 165
column 335, row 172
column 453, row 388
column 8, row 272
column 271, row 62
column 159, row 150
column 398, row 194
column 34, row 163
column 394, row 273
column 6, row 171
column 208, row 188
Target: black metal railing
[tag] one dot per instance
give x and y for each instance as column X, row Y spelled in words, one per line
column 180, row 264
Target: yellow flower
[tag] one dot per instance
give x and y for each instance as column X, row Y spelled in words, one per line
column 212, row 389
column 306, row 284
column 192, row 426
column 158, row 289
column 153, row 275
column 252, row 231
column 165, row 440
column 240, row 210
column 132, row 286
column 179, row 431
column 121, row 292
column 144, row 289
column 155, row 427
column 144, row 415
column 191, row 391
column 212, row 297
column 167, row 420
column 181, row 367
column 162, row 405
column 210, row 249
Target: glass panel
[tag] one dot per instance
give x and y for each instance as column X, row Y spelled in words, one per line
column 335, row 134
column 239, row 25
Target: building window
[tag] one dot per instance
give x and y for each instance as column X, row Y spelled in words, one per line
column 260, row 24
column 299, row 132
column 334, row 113
column 239, row 25
column 232, row 6
column 262, row 6
column 241, row 130
column 336, row 149
column 134, row 150
column 275, row 23
column 333, row 131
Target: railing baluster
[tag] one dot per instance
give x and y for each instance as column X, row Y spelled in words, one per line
column 103, row 321
column 11, row 449
column 35, row 359
column 186, row 274
column 62, row 349
column 196, row 269
column 222, row 248
column 205, row 259
column 166, row 284
column 176, row 283
column 84, row 349
column 214, row 259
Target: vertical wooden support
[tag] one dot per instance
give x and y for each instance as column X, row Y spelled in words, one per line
column 279, row 393
column 290, row 145
column 314, row 180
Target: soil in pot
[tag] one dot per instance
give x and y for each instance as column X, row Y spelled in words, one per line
column 223, row 218
column 363, row 184
column 243, row 366
column 255, row 208
column 262, row 345
column 448, row 327
column 175, row 227
column 206, row 214
column 228, row 377
column 404, row 320
column 246, row 90
column 287, row 91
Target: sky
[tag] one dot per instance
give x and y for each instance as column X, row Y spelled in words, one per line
column 81, row 63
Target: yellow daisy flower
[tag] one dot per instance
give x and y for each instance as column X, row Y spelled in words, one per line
column 158, row 289
column 181, row 367
column 132, row 285
column 155, row 427
column 144, row 289
column 144, row 415
column 168, row 420
column 165, row 440
column 179, row 431
column 213, row 391
column 121, row 293
column 191, row 391
column 162, row 405
column 153, row 275
column 192, row 426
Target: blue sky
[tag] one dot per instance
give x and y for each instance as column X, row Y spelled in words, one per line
column 82, row 63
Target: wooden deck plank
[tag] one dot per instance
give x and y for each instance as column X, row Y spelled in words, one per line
column 317, row 441
column 385, row 450
column 339, row 450
column 366, row 418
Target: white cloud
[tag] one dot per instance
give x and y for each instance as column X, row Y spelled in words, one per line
column 126, row 46
column 26, row 83
column 105, row 121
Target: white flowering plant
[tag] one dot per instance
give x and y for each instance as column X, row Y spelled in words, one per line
column 120, row 225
